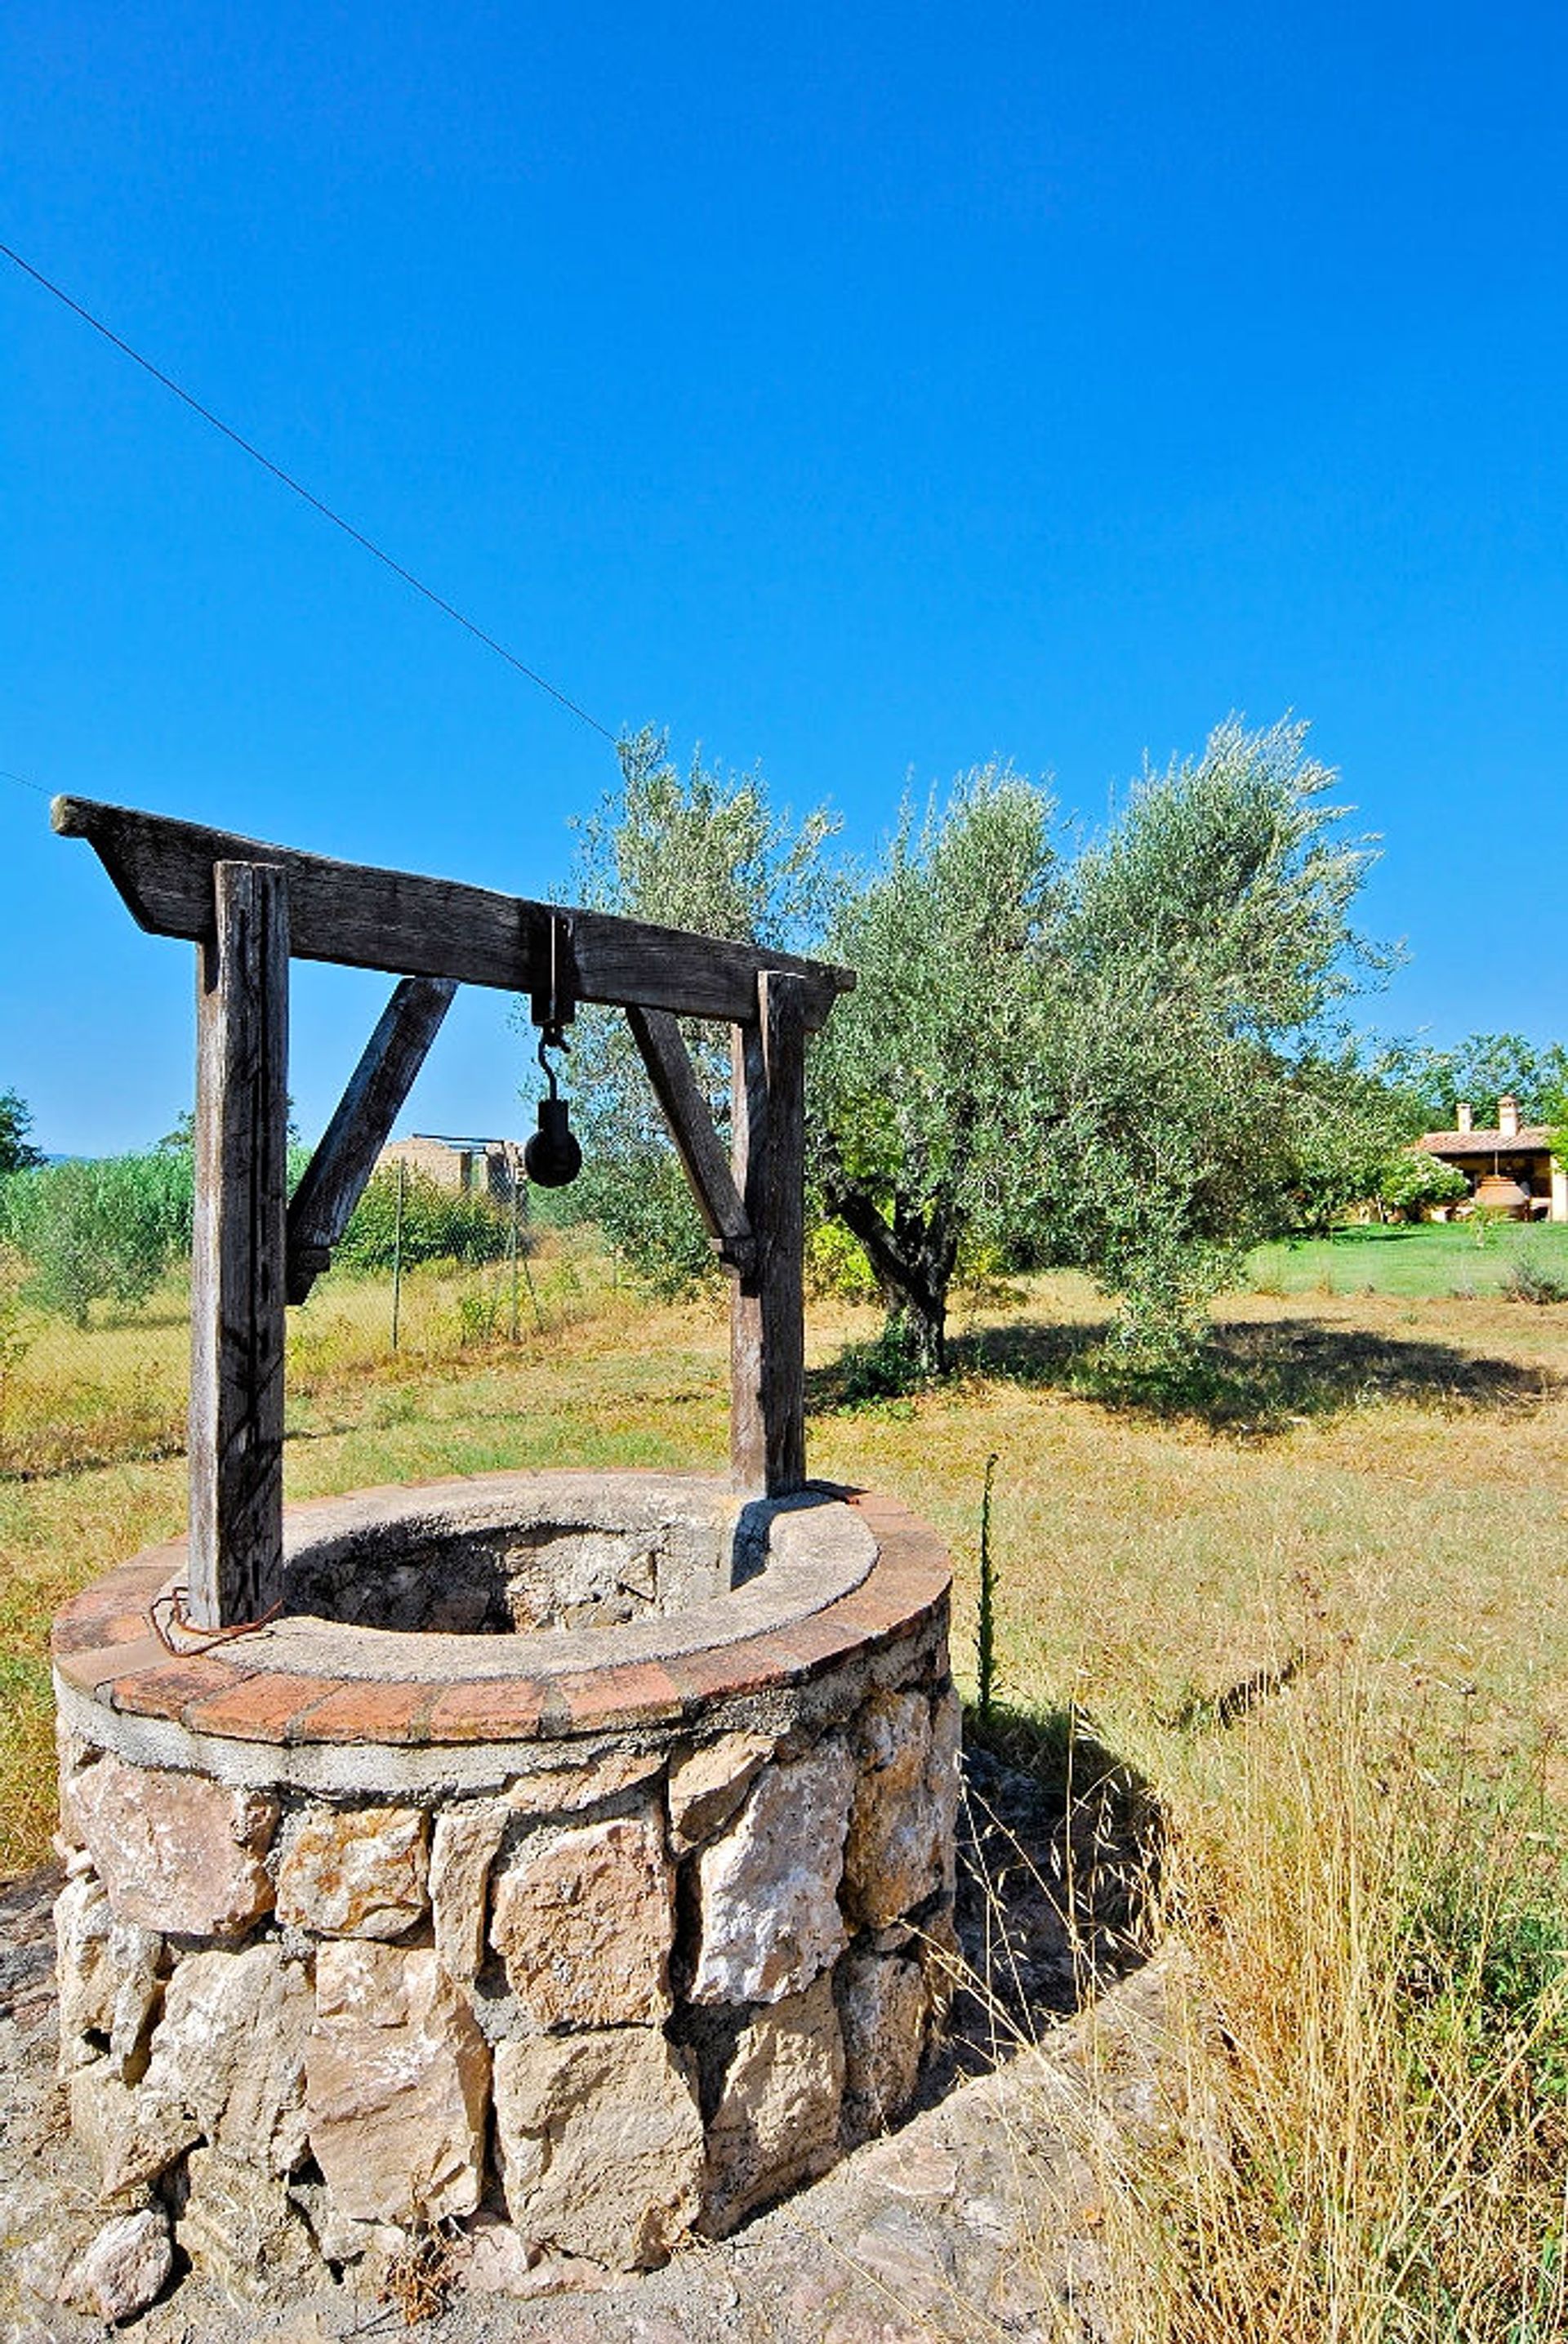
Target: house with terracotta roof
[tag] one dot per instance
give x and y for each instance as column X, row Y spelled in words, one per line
column 1509, row 1165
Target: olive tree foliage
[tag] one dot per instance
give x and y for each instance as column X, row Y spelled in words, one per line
column 1203, row 949
column 701, row 850
column 926, row 1094
column 1128, row 1060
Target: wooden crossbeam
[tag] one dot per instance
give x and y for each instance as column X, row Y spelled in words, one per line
column 679, row 1093
column 334, row 1180
column 364, row 917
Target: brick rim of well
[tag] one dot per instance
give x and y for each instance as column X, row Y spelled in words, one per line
column 110, row 1662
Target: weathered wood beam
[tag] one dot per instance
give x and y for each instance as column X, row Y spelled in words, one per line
column 675, row 1086
column 767, row 1306
column 236, row 1564
column 367, row 918
column 334, row 1179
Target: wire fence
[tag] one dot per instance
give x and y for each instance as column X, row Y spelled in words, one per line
column 90, row 1378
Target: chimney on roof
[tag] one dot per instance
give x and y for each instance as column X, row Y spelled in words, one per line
column 1466, row 1121
column 1508, row 1117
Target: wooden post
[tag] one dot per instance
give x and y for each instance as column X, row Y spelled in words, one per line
column 767, row 1308
column 236, row 1295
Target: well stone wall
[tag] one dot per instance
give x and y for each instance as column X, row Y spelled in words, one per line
column 573, row 1939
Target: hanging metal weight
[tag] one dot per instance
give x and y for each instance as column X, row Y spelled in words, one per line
column 552, row 1156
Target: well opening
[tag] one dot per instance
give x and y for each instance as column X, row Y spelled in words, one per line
column 603, row 1557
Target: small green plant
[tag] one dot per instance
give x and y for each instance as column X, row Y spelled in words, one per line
column 477, row 1318
column 986, row 1625
column 888, row 1367
column 836, row 1266
column 1527, row 1282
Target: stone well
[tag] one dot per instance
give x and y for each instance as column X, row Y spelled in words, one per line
column 570, row 1864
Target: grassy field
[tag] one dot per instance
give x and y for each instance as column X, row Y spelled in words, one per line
column 1429, row 1262
column 1313, row 1598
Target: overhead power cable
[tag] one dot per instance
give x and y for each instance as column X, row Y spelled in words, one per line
column 300, row 491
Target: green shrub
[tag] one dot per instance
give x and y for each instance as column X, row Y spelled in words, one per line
column 1527, row 1282
column 1413, row 1180
column 437, row 1225
column 90, row 1231
column 836, row 1266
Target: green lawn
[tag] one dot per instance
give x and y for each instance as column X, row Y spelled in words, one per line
column 1426, row 1262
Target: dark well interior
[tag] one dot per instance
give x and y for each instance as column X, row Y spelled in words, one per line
column 516, row 1577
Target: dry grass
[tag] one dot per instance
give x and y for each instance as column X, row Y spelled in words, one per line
column 1314, row 1598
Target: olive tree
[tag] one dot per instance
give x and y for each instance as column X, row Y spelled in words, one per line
column 926, row 1096
column 1204, row 948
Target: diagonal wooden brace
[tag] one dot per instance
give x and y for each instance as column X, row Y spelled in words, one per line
column 670, row 1070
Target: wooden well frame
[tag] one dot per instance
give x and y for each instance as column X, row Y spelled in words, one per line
column 250, row 908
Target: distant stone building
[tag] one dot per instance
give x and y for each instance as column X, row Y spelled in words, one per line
column 1508, row 1151
column 469, row 1167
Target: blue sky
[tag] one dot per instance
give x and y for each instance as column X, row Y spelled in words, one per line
column 864, row 391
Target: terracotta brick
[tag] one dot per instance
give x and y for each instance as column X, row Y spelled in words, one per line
column 167, row 1691
column 815, row 1643
column 366, row 1712
column 494, row 1709
column 867, row 1614
column 72, row 1633
column 101, row 1666
column 258, row 1708
column 727, row 1670
column 642, row 1693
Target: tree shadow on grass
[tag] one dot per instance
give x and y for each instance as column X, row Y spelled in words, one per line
column 1256, row 1379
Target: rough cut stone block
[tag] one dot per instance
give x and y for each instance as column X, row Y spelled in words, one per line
column 777, row 2121
column 238, row 2225
column 584, row 1924
column 708, row 1784
column 131, row 2135
column 466, row 1841
column 230, row 2048
column 943, row 1776
column 177, row 1852
column 397, row 2083
column 893, row 1857
column 769, row 1889
column 884, row 2010
column 353, row 1872
column 497, row 2258
column 941, row 1958
column 124, row 2269
column 83, row 1973
column 601, row 2143
column 566, row 1790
